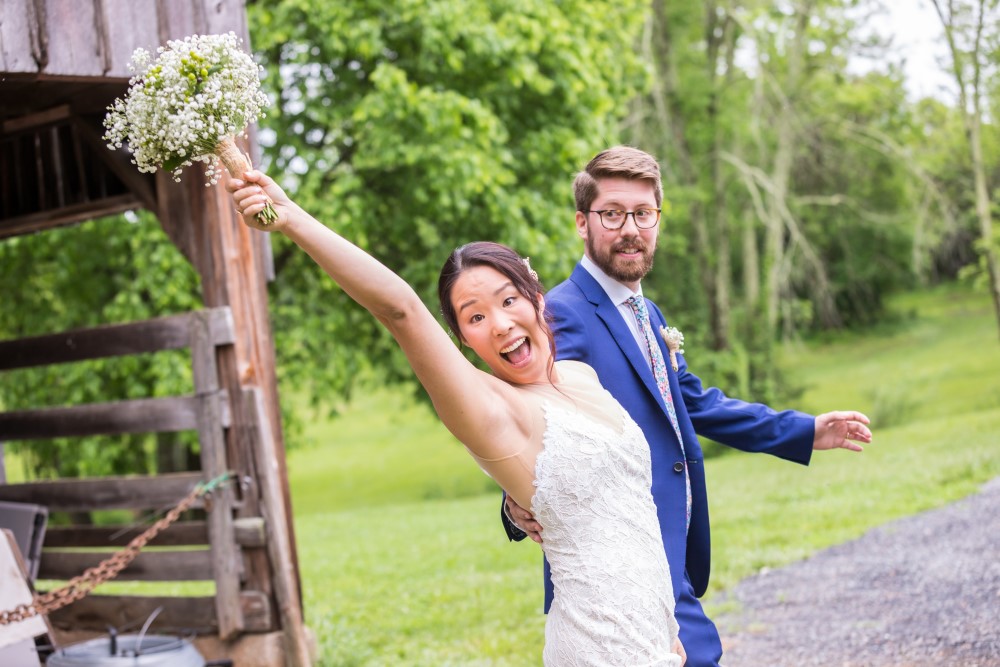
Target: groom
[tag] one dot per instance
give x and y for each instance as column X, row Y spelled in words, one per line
column 599, row 317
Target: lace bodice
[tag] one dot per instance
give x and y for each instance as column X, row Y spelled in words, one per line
column 613, row 600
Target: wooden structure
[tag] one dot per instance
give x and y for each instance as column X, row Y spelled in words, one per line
column 62, row 62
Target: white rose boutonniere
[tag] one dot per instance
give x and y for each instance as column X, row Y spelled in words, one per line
column 674, row 339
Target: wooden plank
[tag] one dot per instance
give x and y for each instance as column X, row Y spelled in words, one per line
column 276, row 517
column 143, row 415
column 249, row 532
column 19, row 35
column 118, row 162
column 103, row 493
column 38, row 119
column 128, row 25
column 41, row 184
column 170, row 565
column 220, row 238
column 162, row 333
column 73, row 40
column 182, row 533
column 180, row 18
column 225, row 553
column 225, row 15
column 179, row 615
column 56, row 168
column 36, row 222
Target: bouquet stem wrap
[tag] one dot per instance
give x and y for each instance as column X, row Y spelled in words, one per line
column 237, row 162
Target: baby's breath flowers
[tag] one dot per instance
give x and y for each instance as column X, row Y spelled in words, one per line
column 674, row 339
column 188, row 106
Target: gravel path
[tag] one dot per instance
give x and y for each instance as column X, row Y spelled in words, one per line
column 917, row 592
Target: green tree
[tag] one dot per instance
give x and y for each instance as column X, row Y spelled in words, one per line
column 109, row 270
column 971, row 31
column 410, row 126
column 789, row 210
column 414, row 126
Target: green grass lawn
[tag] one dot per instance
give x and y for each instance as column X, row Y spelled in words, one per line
column 404, row 561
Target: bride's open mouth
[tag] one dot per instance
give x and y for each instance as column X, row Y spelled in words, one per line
column 517, row 353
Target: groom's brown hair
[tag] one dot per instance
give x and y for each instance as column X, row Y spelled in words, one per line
column 616, row 162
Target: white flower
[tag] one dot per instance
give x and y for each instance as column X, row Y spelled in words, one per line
column 674, row 339
column 199, row 91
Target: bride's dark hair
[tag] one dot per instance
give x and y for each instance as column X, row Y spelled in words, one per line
column 501, row 258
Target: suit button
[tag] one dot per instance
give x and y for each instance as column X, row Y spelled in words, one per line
column 678, row 467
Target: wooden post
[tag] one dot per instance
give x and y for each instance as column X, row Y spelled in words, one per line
column 225, row 553
column 275, row 512
column 227, row 254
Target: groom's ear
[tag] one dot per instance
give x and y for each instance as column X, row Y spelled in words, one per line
column 581, row 224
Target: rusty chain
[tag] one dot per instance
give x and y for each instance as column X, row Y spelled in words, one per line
column 80, row 586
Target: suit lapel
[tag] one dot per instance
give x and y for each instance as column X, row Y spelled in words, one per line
column 608, row 313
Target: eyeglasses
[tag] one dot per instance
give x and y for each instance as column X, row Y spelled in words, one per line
column 644, row 218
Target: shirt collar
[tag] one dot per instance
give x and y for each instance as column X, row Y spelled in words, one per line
column 617, row 292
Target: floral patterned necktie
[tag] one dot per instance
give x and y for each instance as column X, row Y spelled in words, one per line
column 659, row 367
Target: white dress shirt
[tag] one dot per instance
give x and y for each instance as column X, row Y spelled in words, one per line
column 619, row 295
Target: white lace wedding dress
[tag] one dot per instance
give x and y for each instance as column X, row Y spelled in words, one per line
column 614, row 604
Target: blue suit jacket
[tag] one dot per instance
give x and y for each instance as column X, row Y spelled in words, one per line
column 588, row 327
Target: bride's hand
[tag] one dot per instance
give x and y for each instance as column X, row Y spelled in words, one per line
column 679, row 650
column 252, row 193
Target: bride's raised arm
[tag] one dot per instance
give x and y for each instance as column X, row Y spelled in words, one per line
column 479, row 409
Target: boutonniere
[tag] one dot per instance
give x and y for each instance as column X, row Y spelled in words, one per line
column 674, row 339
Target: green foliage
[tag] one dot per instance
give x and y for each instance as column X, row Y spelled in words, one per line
column 355, row 460
column 415, row 126
column 110, row 270
column 856, row 198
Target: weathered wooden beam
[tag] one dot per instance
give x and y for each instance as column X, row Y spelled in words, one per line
column 31, row 121
column 113, row 340
column 225, row 552
column 104, row 493
column 250, row 531
column 173, row 565
column 36, row 222
column 143, row 415
column 277, row 516
column 176, row 615
column 20, row 47
column 119, row 163
column 182, row 533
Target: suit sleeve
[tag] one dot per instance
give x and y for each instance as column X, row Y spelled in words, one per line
column 514, row 534
column 750, row 427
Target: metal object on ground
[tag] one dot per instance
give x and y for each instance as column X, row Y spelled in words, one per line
column 129, row 651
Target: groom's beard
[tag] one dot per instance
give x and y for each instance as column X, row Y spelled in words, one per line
column 623, row 270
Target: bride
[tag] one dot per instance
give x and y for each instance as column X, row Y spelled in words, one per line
column 546, row 431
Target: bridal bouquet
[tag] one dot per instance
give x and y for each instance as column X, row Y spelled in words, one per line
column 188, row 106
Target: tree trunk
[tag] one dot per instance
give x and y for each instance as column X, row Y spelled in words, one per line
column 663, row 57
column 970, row 105
column 720, row 306
column 983, row 209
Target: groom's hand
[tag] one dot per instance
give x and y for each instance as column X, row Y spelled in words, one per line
column 524, row 520
column 838, row 429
